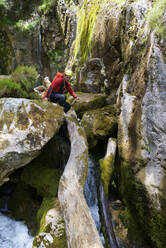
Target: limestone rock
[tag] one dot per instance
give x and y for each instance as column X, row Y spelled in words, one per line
column 52, row 229
column 80, row 228
column 106, row 44
column 90, row 76
column 25, row 127
column 88, row 101
column 141, row 141
column 100, row 123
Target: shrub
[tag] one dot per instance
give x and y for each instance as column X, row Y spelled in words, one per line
column 21, row 83
column 155, row 17
column 25, row 76
column 9, row 88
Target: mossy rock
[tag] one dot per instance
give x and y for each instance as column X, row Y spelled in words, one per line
column 106, row 169
column 145, row 221
column 88, row 101
column 45, row 180
column 24, row 204
column 51, row 225
column 100, row 123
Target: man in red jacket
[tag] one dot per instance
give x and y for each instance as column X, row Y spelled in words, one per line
column 55, row 92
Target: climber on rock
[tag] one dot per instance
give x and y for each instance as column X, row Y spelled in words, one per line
column 55, row 92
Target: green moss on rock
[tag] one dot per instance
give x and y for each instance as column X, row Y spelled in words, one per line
column 106, row 172
column 100, row 123
column 88, row 101
column 46, row 205
column 50, row 233
column 142, row 218
column 45, row 180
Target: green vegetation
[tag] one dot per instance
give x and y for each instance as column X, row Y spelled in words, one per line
column 25, row 75
column 20, row 84
column 46, row 5
column 155, row 17
column 3, row 3
column 86, row 20
column 47, row 204
column 9, row 88
column 29, row 24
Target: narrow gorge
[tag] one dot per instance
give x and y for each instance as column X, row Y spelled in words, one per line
column 94, row 177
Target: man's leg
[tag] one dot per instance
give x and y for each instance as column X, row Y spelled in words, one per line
column 61, row 99
column 67, row 107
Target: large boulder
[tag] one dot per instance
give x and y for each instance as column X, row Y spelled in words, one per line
column 25, row 127
column 100, row 123
column 88, row 101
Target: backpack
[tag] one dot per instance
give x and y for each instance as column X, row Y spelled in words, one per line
column 48, row 91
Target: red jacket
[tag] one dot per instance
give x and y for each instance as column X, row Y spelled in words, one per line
column 59, row 85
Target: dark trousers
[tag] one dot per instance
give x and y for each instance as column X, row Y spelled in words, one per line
column 61, row 99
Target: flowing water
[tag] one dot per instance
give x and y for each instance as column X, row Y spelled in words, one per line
column 90, row 192
column 14, row 234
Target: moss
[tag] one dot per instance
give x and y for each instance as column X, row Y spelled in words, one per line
column 47, row 204
column 143, row 220
column 100, row 123
column 89, row 102
column 106, row 172
column 45, row 180
column 86, row 20
column 56, row 231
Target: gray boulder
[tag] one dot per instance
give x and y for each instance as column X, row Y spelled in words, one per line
column 25, row 127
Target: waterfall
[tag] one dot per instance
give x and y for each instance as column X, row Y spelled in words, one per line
column 14, row 234
column 39, row 47
column 90, row 192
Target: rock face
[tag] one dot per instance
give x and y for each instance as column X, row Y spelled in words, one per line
column 80, row 227
column 141, row 138
column 90, row 76
column 36, row 33
column 25, row 127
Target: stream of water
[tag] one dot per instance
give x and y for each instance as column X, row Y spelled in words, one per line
column 14, row 234
column 90, row 192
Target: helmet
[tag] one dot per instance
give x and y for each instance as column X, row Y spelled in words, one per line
column 68, row 73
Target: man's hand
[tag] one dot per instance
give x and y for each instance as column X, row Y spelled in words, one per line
column 78, row 99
